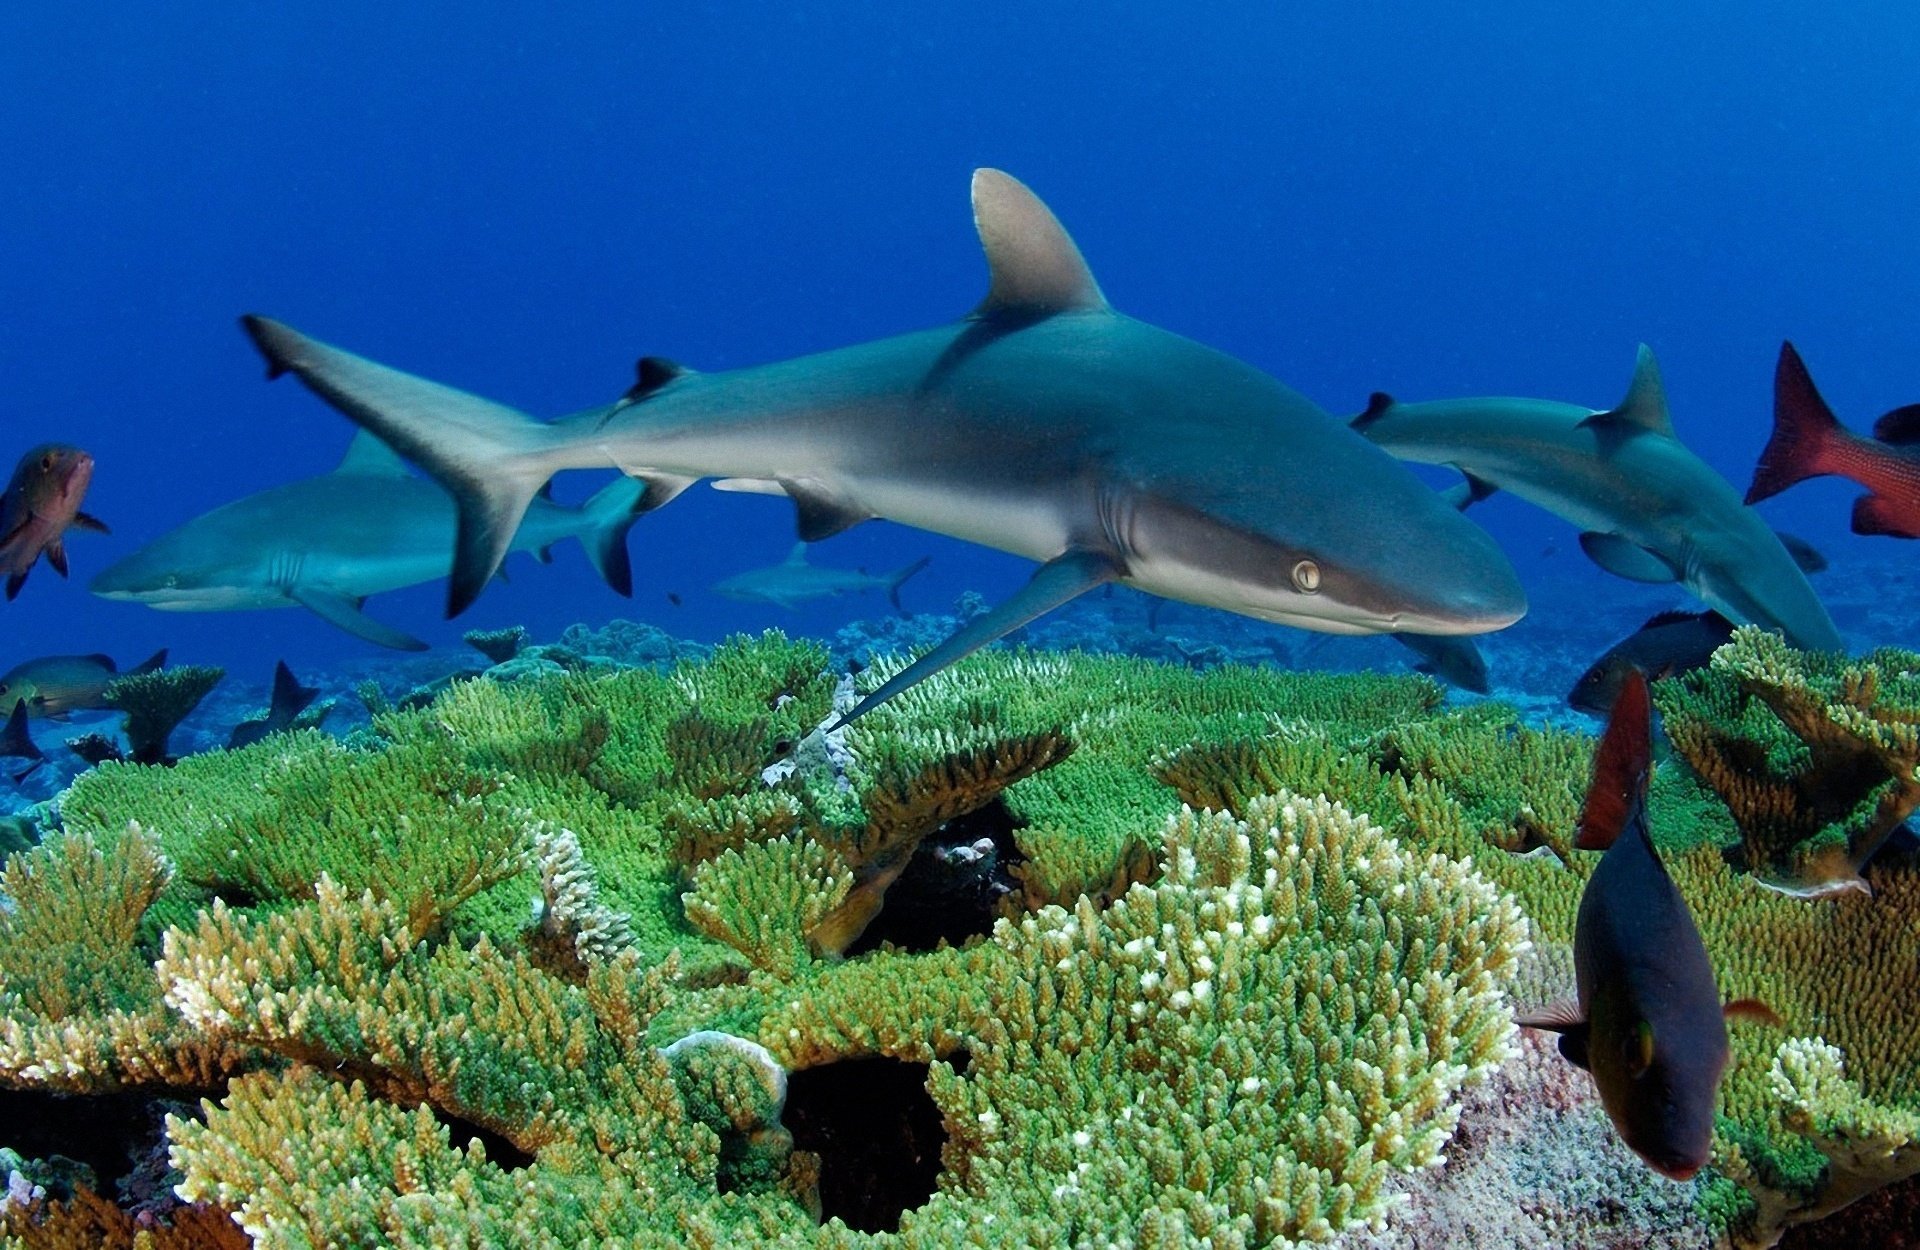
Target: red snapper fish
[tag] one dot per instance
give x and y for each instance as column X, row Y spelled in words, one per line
column 41, row 503
column 1809, row 441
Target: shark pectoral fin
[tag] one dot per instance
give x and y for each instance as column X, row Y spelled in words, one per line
column 1644, row 410
column 1467, row 492
column 1623, row 557
column 340, row 611
column 821, row 513
column 1032, row 263
column 1058, row 580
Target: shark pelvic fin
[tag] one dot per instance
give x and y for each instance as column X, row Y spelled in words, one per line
column 1644, row 410
column 1060, row 579
column 821, row 513
column 344, row 613
column 1033, row 264
column 369, row 457
column 1623, row 557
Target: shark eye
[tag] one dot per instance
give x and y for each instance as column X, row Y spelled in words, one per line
column 1306, row 577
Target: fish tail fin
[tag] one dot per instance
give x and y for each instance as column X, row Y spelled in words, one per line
column 15, row 740
column 610, row 513
column 1805, row 431
column 290, row 698
column 898, row 579
column 1621, row 765
column 491, row 459
column 152, row 664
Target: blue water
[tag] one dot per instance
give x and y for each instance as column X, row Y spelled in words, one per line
column 1433, row 200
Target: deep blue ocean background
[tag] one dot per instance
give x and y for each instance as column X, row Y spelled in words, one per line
column 520, row 200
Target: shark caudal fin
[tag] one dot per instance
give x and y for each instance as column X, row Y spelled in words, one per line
column 897, row 579
column 491, row 459
column 1805, row 431
column 1621, row 766
column 610, row 513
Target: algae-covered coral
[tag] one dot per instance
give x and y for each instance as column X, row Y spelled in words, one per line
column 447, row 981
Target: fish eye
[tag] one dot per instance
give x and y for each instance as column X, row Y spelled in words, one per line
column 1306, row 577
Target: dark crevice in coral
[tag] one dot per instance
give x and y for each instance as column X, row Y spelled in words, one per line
column 500, row 1152
column 119, row 1138
column 951, row 889
column 1887, row 1219
column 878, row 1135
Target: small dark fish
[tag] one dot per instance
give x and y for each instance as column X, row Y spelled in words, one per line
column 290, row 698
column 55, row 686
column 1669, row 644
column 17, row 743
column 673, row 597
column 41, row 503
column 1453, row 659
column 1648, row 1023
column 1809, row 441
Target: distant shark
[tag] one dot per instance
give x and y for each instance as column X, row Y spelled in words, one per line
column 793, row 581
column 328, row 542
column 1043, row 424
column 1651, row 510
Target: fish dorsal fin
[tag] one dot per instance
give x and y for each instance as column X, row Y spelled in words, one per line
column 1899, row 427
column 798, row 555
column 103, row 660
column 367, row 456
column 650, row 373
column 1644, row 410
column 1620, row 767
column 1033, row 266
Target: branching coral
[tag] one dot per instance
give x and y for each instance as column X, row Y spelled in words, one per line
column 1818, row 757
column 156, row 702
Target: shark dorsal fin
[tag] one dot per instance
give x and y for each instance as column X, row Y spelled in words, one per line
column 1033, row 264
column 798, row 555
column 369, row 457
column 1644, row 410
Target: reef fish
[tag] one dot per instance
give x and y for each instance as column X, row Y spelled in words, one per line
column 1809, row 441
column 1648, row 1022
column 289, row 699
column 794, row 581
column 328, row 542
column 1454, row 660
column 1044, row 424
column 1650, row 510
column 55, row 686
column 1669, row 644
column 43, row 502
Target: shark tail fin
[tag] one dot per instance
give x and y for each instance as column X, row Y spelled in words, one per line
column 610, row 513
column 490, row 458
column 1621, row 767
column 15, row 740
column 152, row 664
column 1805, row 431
column 898, row 579
column 290, row 698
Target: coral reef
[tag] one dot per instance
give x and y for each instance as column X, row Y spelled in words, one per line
column 156, row 702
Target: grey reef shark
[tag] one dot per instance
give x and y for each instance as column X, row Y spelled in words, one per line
column 794, row 581
column 1043, row 423
column 327, row 542
column 1648, row 508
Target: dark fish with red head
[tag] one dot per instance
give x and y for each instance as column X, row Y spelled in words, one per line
column 1669, row 644
column 41, row 502
column 1648, row 1022
column 1809, row 441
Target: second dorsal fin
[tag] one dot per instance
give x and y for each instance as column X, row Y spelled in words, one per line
column 1033, row 265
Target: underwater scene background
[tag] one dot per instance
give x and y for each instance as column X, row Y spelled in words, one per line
column 1494, row 199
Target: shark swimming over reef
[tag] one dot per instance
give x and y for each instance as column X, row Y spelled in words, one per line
column 328, row 542
column 1650, row 510
column 794, row 581
column 1044, row 424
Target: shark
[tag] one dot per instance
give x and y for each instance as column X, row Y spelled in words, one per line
column 1648, row 508
column 794, row 581
column 326, row 543
column 1044, row 423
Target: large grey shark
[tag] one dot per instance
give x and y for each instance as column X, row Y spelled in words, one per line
column 1650, row 510
column 1044, row 424
column 328, row 542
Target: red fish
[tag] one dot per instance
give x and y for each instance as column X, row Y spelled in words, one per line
column 1809, row 441
column 41, row 502
column 1648, row 1022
